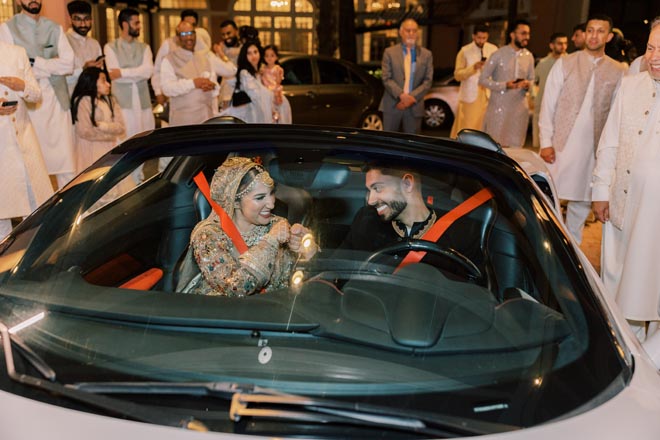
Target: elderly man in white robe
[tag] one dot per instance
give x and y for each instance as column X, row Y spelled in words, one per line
column 188, row 79
column 130, row 66
column 626, row 184
column 87, row 50
column 172, row 43
column 577, row 98
column 51, row 57
column 24, row 182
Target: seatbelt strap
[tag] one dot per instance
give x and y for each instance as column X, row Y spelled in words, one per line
column 444, row 222
column 226, row 223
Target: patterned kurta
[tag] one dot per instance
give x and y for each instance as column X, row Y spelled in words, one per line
column 508, row 113
column 92, row 142
column 265, row 266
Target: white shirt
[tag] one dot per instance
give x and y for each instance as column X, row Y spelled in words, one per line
column 171, row 85
column 465, row 71
column 43, row 68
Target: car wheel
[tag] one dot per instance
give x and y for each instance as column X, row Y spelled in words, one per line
column 437, row 114
column 372, row 121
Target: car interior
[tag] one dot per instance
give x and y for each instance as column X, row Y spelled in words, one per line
column 139, row 244
column 324, row 194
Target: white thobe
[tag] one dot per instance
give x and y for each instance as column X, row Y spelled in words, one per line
column 638, row 65
column 260, row 110
column 85, row 49
column 24, row 182
column 630, row 254
column 165, row 48
column 172, row 85
column 575, row 162
column 136, row 118
column 51, row 122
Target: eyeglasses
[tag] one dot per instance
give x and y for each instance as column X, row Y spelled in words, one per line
column 81, row 19
column 187, row 34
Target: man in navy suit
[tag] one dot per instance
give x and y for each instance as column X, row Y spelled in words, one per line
column 407, row 77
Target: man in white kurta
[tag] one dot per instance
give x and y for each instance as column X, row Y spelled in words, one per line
column 509, row 74
column 86, row 49
column 576, row 101
column 558, row 45
column 472, row 98
column 626, row 184
column 52, row 58
column 168, row 46
column 130, row 66
column 24, row 182
column 188, row 79
column 227, row 50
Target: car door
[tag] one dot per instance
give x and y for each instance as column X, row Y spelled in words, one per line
column 343, row 95
column 300, row 89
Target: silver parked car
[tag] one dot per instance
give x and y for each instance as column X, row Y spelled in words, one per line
column 440, row 103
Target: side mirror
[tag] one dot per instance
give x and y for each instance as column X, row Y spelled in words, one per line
column 478, row 139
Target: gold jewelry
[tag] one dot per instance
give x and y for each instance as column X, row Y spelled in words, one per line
column 262, row 177
column 227, row 178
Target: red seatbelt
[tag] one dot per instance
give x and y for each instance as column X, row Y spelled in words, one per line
column 444, row 222
column 226, row 223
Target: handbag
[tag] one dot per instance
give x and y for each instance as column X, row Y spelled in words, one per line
column 239, row 98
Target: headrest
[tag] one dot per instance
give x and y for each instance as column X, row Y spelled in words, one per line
column 310, row 176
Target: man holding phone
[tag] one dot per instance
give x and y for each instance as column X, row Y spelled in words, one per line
column 509, row 73
column 24, row 182
column 45, row 42
column 472, row 98
column 87, row 50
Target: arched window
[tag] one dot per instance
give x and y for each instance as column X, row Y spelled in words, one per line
column 287, row 23
column 169, row 16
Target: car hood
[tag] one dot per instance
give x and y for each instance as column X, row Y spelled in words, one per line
column 630, row 414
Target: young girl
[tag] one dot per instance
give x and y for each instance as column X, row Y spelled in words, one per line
column 99, row 124
column 260, row 109
column 272, row 75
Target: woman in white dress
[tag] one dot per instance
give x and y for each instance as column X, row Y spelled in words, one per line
column 99, row 123
column 260, row 109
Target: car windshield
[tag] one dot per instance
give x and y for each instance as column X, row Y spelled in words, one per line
column 488, row 317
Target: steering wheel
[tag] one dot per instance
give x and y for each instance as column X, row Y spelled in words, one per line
column 450, row 254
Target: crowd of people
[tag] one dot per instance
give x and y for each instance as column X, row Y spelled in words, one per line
column 597, row 126
column 65, row 101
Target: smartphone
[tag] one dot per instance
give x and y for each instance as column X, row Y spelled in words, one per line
column 100, row 57
column 9, row 103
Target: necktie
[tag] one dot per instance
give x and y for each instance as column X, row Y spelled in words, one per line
column 407, row 68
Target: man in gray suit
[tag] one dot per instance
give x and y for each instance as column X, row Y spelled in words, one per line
column 407, row 77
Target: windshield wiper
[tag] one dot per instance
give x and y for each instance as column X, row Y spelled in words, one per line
column 33, row 358
column 117, row 407
column 249, row 400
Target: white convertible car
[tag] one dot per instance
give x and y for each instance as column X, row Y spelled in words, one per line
column 501, row 330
